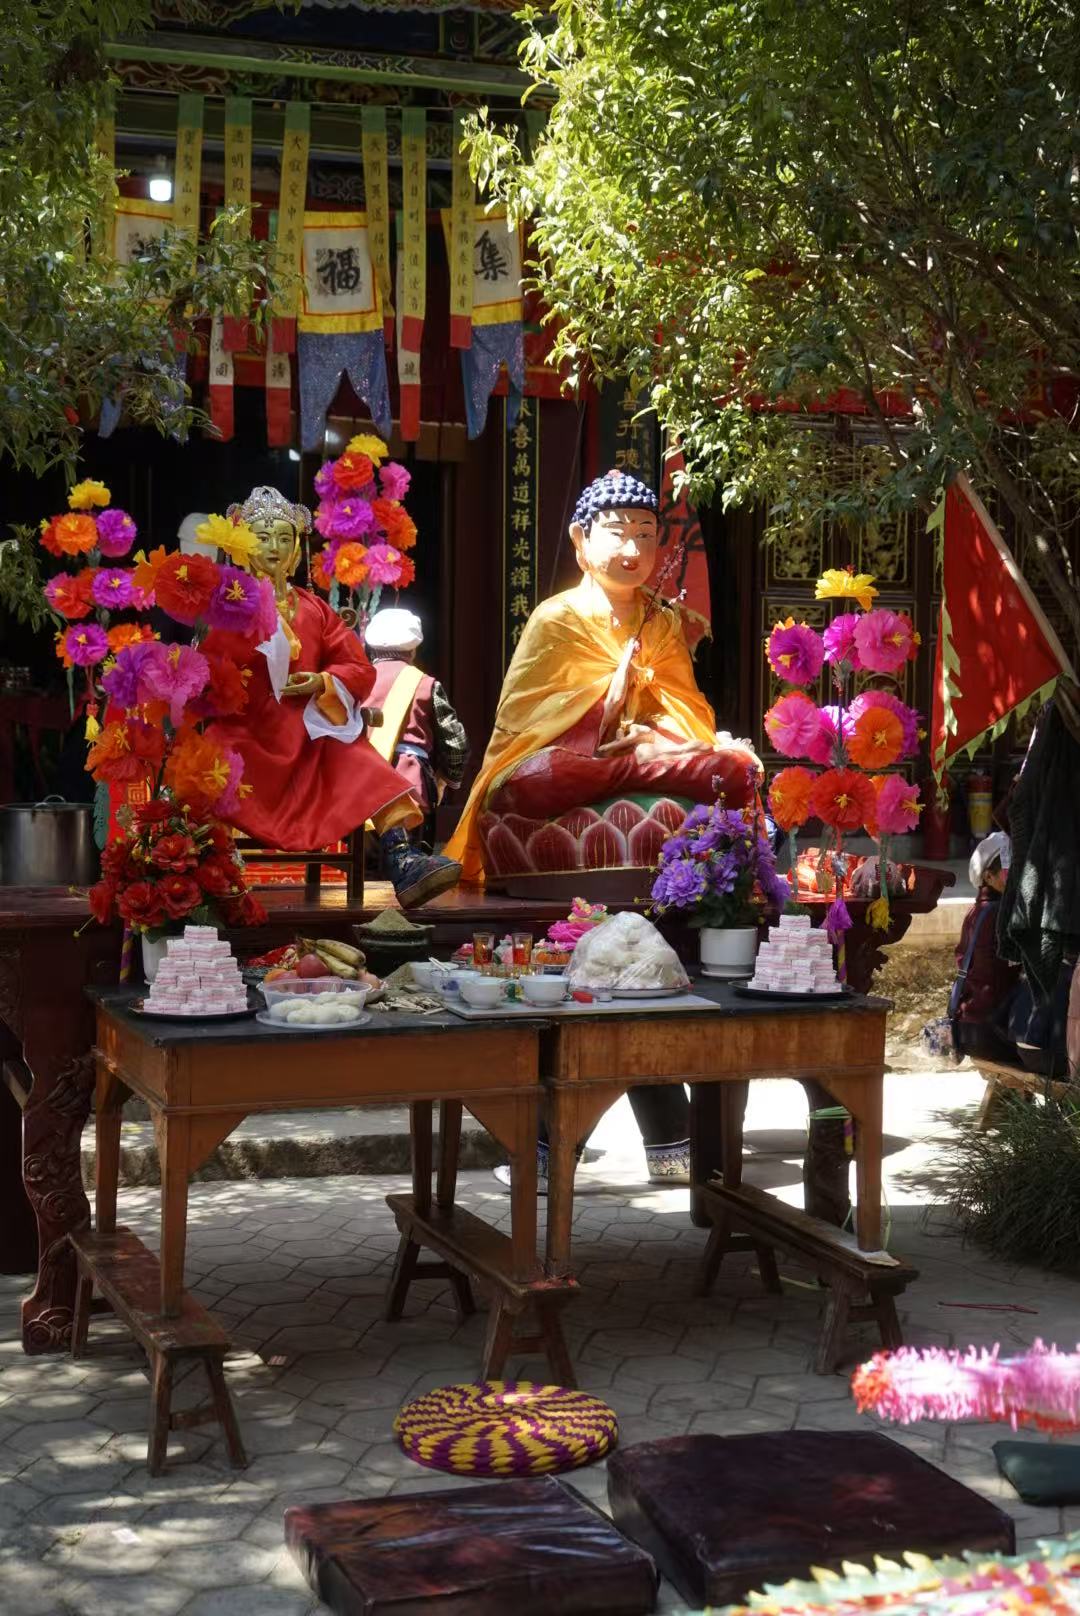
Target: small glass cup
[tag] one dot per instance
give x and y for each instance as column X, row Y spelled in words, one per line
column 523, row 947
column 483, row 949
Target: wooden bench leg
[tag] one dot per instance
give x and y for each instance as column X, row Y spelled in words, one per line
column 160, row 1411
column 80, row 1320
column 833, row 1328
column 405, row 1263
column 498, row 1341
column 989, row 1105
column 226, row 1414
column 884, row 1306
column 767, row 1269
column 713, row 1255
column 558, row 1354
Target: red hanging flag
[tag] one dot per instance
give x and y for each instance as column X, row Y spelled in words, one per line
column 996, row 650
column 679, row 525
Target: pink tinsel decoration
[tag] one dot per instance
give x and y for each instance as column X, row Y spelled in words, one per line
column 1040, row 1388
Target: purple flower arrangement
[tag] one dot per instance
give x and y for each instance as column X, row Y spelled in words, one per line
column 720, row 867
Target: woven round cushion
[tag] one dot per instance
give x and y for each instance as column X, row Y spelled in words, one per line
column 506, row 1428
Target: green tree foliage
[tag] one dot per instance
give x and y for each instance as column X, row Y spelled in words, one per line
column 749, row 202
column 76, row 329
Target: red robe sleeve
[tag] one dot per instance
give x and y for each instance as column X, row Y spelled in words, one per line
column 342, row 656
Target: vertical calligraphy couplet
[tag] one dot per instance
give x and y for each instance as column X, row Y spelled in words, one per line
column 236, row 334
column 187, row 181
column 412, row 231
column 462, row 202
column 221, row 382
column 105, row 145
column 377, row 207
column 408, row 358
column 521, row 479
column 289, row 241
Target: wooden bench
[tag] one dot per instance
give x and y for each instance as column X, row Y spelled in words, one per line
column 127, row 1276
column 859, row 1287
column 470, row 1249
column 1018, row 1079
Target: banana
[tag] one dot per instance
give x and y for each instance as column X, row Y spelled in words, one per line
column 341, row 951
column 337, row 967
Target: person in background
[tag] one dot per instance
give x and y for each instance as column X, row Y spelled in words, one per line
column 985, row 984
column 421, row 735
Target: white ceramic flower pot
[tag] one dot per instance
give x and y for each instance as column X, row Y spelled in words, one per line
column 152, row 955
column 728, row 950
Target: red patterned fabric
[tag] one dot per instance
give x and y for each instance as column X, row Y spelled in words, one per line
column 625, row 834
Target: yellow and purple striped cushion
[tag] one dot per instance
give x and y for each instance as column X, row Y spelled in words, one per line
column 506, row 1428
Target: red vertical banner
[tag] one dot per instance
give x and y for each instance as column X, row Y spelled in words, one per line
column 680, row 528
column 408, row 359
column 278, row 400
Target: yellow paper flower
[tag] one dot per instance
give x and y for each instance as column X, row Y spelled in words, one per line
column 235, row 538
column 85, row 495
column 367, row 443
column 840, row 583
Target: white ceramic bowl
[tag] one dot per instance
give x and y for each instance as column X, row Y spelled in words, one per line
column 428, row 976
column 483, row 992
column 543, row 990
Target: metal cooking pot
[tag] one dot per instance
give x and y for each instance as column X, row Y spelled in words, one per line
column 47, row 844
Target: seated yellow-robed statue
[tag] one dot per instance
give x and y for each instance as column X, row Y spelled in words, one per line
column 600, row 700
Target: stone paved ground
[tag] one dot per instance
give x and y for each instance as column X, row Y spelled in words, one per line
column 296, row 1269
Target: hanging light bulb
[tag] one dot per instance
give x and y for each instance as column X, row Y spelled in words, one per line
column 160, row 182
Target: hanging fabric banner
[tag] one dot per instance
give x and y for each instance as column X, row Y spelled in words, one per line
column 221, row 382
column 377, row 205
column 340, row 323
column 625, row 439
column 278, row 400
column 460, row 248
column 412, row 241
column 101, row 228
column 521, row 482
column 680, row 533
column 136, row 223
column 408, row 359
column 495, row 313
column 237, row 327
column 188, row 178
column 289, row 242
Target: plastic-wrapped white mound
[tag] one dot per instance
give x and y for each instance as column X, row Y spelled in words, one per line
column 626, row 951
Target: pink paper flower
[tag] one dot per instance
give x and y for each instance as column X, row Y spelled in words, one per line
column 112, row 588
column 85, row 644
column 394, row 480
column 236, row 602
column 1040, row 1387
column 230, row 796
column 898, row 805
column 116, row 532
column 885, row 640
column 909, row 718
column 795, row 652
column 173, row 673
column 823, row 747
column 793, row 724
column 383, row 564
column 266, row 619
column 839, row 640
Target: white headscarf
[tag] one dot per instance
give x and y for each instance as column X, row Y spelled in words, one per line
column 394, row 629
column 995, row 846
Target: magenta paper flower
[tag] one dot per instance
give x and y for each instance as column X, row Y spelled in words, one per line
column 885, row 640
column 173, row 673
column 116, row 532
column 840, row 640
column 236, row 602
column 908, row 717
column 230, row 796
column 112, row 588
column 351, row 518
column 142, row 599
column 793, row 724
column 823, row 747
column 795, row 652
column 898, row 806
column 383, row 564
column 394, row 480
column 86, row 643
column 121, row 682
column 837, row 920
column 325, row 486
column 266, row 618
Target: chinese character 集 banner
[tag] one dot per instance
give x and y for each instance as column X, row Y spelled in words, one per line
column 521, row 473
column 187, row 184
column 289, row 241
column 377, row 206
column 496, row 313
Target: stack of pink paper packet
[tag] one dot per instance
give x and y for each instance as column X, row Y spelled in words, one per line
column 197, row 977
column 795, row 958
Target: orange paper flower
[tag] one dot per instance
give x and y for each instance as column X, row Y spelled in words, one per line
column 349, row 565
column 195, row 770
column 789, row 797
column 876, row 740
column 145, row 573
column 125, row 634
column 74, row 534
column 397, row 524
column 842, row 799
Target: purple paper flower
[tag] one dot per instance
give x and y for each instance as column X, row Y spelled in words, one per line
column 840, row 640
column 837, row 920
column 383, row 564
column 173, row 673
column 121, row 683
column 350, row 518
column 680, row 884
column 325, row 485
column 394, row 480
column 112, row 588
column 116, row 532
column 235, row 603
column 723, row 872
column 795, row 652
column 85, row 644
column 908, row 717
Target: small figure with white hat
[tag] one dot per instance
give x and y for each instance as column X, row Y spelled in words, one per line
column 421, row 734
